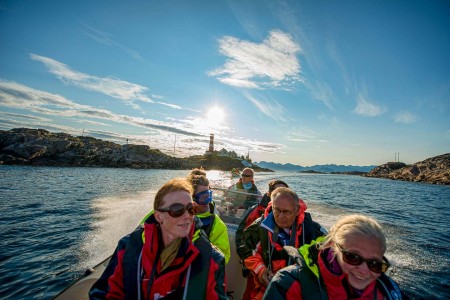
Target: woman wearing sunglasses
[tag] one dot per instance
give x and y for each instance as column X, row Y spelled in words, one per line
column 348, row 264
column 214, row 227
column 161, row 261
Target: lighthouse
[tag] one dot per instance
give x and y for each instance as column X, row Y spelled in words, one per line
column 211, row 143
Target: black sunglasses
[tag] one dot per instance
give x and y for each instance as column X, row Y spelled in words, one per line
column 374, row 265
column 176, row 210
column 247, row 175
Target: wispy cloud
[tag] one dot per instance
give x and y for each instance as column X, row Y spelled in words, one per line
column 242, row 145
column 270, row 108
column 7, row 123
column 26, row 117
column 116, row 88
column 105, row 38
column 125, row 91
column 322, row 92
column 84, row 121
column 272, row 63
column 202, row 125
column 405, row 118
column 18, row 96
column 331, row 121
column 22, row 97
column 170, row 105
column 367, row 108
column 110, row 136
column 301, row 135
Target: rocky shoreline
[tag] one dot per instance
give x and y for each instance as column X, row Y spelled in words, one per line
column 39, row 147
column 434, row 170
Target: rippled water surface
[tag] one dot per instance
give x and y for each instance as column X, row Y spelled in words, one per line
column 56, row 222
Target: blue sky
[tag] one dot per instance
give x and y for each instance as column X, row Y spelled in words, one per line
column 302, row 82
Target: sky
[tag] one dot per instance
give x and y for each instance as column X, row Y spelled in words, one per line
column 301, row 82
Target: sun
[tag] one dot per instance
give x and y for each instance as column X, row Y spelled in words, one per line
column 215, row 116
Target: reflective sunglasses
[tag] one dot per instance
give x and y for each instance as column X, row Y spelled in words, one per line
column 247, row 175
column 176, row 210
column 204, row 197
column 374, row 265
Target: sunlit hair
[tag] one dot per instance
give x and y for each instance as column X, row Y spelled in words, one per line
column 248, row 169
column 284, row 191
column 197, row 177
column 197, row 171
column 275, row 182
column 352, row 225
column 173, row 185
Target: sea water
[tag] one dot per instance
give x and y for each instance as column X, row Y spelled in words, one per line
column 57, row 222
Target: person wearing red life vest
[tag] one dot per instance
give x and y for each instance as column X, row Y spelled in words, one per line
column 349, row 263
column 161, row 261
column 285, row 223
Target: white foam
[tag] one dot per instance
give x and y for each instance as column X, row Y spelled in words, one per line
column 116, row 217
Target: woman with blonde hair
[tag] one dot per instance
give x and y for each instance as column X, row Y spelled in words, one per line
column 348, row 264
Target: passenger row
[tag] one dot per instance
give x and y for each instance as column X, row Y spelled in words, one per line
column 181, row 248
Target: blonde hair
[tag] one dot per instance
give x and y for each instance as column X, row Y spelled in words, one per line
column 173, row 185
column 197, row 177
column 353, row 225
column 198, row 171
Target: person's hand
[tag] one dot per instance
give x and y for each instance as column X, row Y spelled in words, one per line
column 265, row 276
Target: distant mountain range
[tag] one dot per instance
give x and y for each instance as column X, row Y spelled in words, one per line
column 318, row 168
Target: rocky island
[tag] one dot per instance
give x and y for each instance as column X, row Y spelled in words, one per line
column 39, row 147
column 435, row 170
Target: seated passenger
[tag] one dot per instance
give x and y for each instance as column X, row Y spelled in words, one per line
column 161, row 260
column 349, row 264
column 250, row 216
column 257, row 210
column 214, row 227
column 285, row 222
column 245, row 184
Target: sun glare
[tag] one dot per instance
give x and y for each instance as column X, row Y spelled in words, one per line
column 215, row 116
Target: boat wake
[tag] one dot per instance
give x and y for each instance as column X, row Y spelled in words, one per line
column 115, row 216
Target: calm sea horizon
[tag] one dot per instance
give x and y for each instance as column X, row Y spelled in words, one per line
column 57, row 222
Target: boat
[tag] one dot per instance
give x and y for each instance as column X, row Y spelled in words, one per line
column 228, row 207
